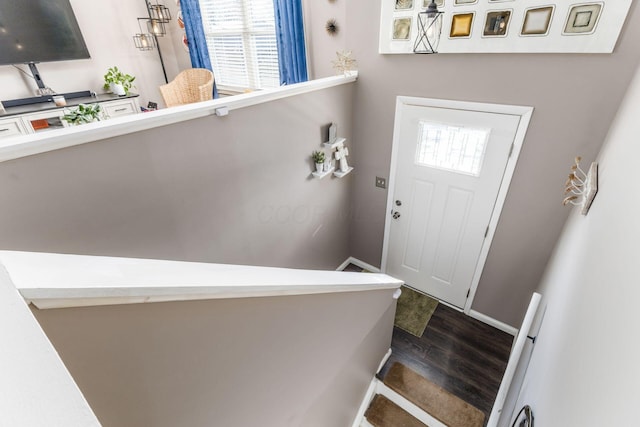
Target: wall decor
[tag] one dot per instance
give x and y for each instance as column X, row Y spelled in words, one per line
column 537, row 21
column 583, row 18
column 497, row 23
column 402, row 28
column 429, row 30
column 504, row 26
column 332, row 27
column 461, row 25
column 344, row 63
column 404, row 4
column 581, row 187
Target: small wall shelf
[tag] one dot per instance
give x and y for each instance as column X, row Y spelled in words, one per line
column 320, row 175
column 336, row 142
column 341, row 174
column 340, row 154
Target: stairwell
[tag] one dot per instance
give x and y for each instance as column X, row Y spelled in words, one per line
column 403, row 398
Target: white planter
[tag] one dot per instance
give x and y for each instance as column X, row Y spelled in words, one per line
column 117, row 89
column 319, row 167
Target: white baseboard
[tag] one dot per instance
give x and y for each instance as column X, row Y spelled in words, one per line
column 371, row 391
column 472, row 313
column 384, row 360
column 344, row 264
column 366, row 401
column 493, row 322
column 361, row 264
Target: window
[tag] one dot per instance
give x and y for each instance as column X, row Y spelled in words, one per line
column 456, row 149
column 242, row 43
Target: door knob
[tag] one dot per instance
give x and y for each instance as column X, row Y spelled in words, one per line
column 396, row 215
column 398, row 203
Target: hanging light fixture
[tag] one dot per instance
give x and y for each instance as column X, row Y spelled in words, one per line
column 156, row 27
column 142, row 40
column 159, row 12
column 429, row 30
column 158, row 15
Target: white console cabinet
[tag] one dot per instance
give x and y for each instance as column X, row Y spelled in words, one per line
column 37, row 118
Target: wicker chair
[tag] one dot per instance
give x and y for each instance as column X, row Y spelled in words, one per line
column 193, row 85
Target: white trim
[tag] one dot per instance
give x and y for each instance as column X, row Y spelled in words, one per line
column 344, row 265
column 384, row 360
column 493, row 322
column 28, row 145
column 371, row 391
column 366, row 401
column 36, row 388
column 525, row 116
column 358, row 263
column 514, row 359
column 56, row 281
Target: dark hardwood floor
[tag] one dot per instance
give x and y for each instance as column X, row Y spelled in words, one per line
column 462, row 355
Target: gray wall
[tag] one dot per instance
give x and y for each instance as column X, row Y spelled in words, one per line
column 235, row 189
column 575, row 98
column 584, row 368
column 275, row 361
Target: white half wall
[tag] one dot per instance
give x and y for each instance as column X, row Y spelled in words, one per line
column 36, row 390
column 236, row 189
column 584, row 369
column 304, row 360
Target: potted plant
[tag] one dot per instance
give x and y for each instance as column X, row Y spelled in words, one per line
column 83, row 114
column 118, row 82
column 318, row 159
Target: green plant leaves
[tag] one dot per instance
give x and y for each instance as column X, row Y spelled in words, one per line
column 83, row 114
column 114, row 75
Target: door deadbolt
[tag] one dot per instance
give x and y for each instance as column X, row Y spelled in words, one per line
column 398, row 203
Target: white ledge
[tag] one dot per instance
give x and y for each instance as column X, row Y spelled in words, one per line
column 28, row 145
column 56, row 281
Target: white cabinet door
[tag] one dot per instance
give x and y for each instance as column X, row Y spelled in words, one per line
column 12, row 127
column 120, row 108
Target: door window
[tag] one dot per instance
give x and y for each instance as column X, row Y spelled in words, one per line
column 451, row 148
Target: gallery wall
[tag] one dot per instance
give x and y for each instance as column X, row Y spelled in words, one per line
column 584, row 368
column 108, row 27
column 575, row 98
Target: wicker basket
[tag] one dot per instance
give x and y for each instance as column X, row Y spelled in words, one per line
column 193, row 85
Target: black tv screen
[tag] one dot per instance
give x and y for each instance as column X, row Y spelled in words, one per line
column 39, row 31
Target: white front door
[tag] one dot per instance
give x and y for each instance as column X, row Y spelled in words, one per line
column 449, row 168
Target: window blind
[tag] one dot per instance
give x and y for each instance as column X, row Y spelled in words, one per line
column 242, row 43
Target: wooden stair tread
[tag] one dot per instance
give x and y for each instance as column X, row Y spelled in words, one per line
column 384, row 413
column 433, row 399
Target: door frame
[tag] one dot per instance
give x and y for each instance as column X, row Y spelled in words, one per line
column 525, row 114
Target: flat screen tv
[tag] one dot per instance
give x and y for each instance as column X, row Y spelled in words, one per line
column 39, row 31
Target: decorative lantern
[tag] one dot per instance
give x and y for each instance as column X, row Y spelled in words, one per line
column 429, row 30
